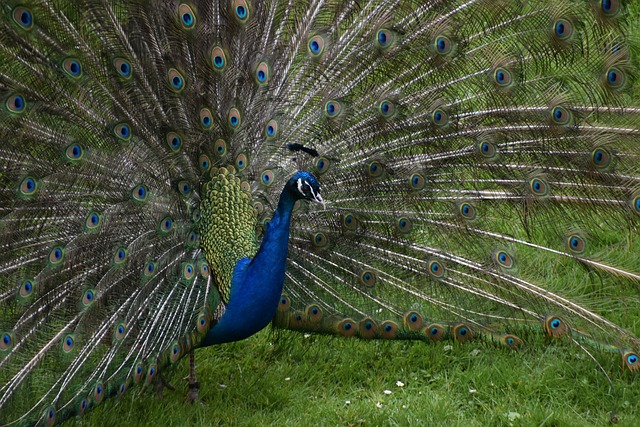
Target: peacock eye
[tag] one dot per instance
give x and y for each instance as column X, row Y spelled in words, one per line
column 123, row 67
column 187, row 16
column 443, row 45
column 16, row 104
column 316, row 46
column 176, row 80
column 23, row 17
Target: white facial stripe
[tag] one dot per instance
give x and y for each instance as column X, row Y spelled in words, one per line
column 300, row 186
column 316, row 196
column 313, row 193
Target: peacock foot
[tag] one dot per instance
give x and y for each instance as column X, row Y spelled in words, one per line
column 192, row 394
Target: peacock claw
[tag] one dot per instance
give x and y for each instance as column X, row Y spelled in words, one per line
column 192, row 394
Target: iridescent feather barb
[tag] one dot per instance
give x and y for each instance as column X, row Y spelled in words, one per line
column 160, row 162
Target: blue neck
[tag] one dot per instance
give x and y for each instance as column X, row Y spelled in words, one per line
column 256, row 285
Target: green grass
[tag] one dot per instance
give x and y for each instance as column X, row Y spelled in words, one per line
column 289, row 379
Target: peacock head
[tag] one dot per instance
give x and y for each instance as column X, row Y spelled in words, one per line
column 304, row 185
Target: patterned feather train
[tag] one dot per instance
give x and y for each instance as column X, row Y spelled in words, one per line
column 180, row 174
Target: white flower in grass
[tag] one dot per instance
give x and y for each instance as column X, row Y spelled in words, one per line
column 387, row 392
column 399, row 383
column 378, row 405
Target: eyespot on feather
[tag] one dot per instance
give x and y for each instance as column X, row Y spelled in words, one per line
column 576, row 243
column 320, row 240
column 122, row 131
column 316, row 46
column 417, row 182
column 241, row 161
column 234, row 119
column 176, row 80
column 206, row 118
column 413, row 320
column 439, row 117
column 600, row 158
column 387, row 108
column 404, row 225
column 123, row 68
column 368, row 328
column 93, row 222
column 389, row 330
column 241, row 11
column 462, row 333
column 119, row 331
column 347, row 327
column 220, row 147
column 314, row 313
column 6, row 341
column 434, row 331
column 271, row 129
column 511, row 341
column 375, row 169
column 23, row 17
column 562, row 29
column 174, row 141
column 72, row 67
column 385, row 38
column 436, row 269
column 187, row 16
column 218, row 59
column 467, row 211
column 68, row 342
column 56, row 255
column 16, row 104
column 538, row 187
column 368, row 278
column 560, row 116
column 504, row 259
column 263, row 73
column 50, row 416
column 73, row 152
column 26, row 288
column 349, row 221
column 322, row 165
column 28, row 186
column 555, row 326
column 120, row 256
column 332, row 109
column 267, row 177
column 488, row 150
column 88, row 297
column 140, row 193
column 443, row 45
column 630, row 361
column 284, row 304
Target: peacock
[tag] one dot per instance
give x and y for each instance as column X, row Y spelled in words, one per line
column 176, row 175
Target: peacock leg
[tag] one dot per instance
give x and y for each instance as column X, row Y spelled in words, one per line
column 161, row 384
column 192, row 394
